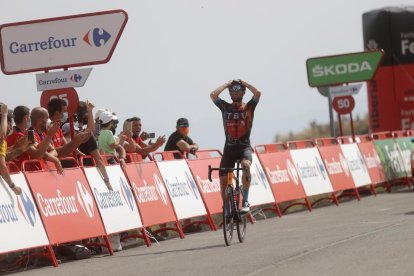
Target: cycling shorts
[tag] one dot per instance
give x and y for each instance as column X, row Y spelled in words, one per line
column 233, row 153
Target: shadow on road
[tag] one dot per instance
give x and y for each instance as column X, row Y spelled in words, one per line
column 174, row 251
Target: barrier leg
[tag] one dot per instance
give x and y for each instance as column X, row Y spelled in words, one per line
column 146, row 239
column 335, row 199
column 52, row 256
column 211, row 223
column 108, row 245
column 308, row 205
column 179, row 229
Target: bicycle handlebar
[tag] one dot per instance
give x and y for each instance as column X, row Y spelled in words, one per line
column 210, row 170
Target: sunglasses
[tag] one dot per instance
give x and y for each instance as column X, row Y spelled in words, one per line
column 236, row 88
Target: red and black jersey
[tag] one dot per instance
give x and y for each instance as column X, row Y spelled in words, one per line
column 237, row 121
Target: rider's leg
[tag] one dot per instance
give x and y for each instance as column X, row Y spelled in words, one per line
column 246, row 180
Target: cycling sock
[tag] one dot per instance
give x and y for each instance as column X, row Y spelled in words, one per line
column 245, row 195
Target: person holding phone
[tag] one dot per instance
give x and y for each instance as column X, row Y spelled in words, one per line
column 140, row 146
column 36, row 149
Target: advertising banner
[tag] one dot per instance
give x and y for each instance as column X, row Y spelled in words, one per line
column 311, row 170
column 20, row 223
column 118, row 209
column 150, row 193
column 373, row 162
column 65, row 202
column 284, row 179
column 390, row 157
column 356, row 164
column 182, row 189
column 406, row 147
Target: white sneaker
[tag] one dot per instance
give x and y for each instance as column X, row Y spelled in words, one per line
column 245, row 208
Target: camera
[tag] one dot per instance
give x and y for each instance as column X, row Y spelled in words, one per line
column 151, row 135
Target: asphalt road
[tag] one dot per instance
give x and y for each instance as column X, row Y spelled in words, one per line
column 372, row 237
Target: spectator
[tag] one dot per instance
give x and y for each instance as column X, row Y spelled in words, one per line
column 139, row 146
column 107, row 143
column 39, row 117
column 180, row 141
column 37, row 149
column 57, row 109
column 90, row 147
column 3, row 150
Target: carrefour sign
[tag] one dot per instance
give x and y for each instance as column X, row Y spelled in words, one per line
column 355, row 67
column 62, row 42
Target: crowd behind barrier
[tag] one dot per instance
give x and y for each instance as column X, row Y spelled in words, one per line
column 58, row 208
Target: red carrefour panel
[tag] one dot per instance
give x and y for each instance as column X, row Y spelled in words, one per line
column 210, row 191
column 282, row 174
column 372, row 160
column 150, row 193
column 337, row 167
column 66, row 205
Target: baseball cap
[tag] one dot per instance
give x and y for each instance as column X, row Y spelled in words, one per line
column 98, row 112
column 106, row 116
column 66, row 128
column 183, row 122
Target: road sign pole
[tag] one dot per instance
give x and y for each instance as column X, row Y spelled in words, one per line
column 331, row 119
column 352, row 127
column 341, row 133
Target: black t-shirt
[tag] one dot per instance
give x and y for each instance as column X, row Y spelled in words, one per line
column 174, row 138
column 88, row 146
column 237, row 122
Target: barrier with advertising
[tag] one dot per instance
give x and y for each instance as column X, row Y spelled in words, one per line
column 150, row 193
column 390, row 159
column 356, row 164
column 372, row 161
column 182, row 189
column 336, row 166
column 311, row 170
column 260, row 192
column 118, row 208
column 405, row 147
column 281, row 173
column 65, row 202
column 20, row 224
column 210, row 191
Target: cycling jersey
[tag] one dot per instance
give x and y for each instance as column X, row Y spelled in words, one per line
column 237, row 121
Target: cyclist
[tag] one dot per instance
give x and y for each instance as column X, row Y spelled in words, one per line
column 237, row 122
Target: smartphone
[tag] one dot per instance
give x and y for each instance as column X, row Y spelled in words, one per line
column 30, row 135
column 151, row 135
column 127, row 126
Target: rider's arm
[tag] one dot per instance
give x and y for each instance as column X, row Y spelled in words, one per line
column 215, row 94
column 256, row 93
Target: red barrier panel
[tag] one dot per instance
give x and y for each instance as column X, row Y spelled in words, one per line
column 210, row 191
column 281, row 174
column 66, row 204
column 372, row 160
column 151, row 194
column 337, row 167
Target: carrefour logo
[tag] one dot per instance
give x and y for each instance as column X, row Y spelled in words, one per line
column 292, row 172
column 96, row 37
column 320, row 167
column 85, row 199
column 160, row 189
column 76, row 78
column 27, row 208
column 191, row 183
column 127, row 193
column 260, row 175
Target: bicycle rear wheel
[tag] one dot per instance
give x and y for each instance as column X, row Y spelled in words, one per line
column 228, row 218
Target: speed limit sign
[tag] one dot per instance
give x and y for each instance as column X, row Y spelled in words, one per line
column 69, row 95
column 343, row 105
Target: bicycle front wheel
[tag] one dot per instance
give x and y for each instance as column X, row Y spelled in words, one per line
column 228, row 220
column 241, row 227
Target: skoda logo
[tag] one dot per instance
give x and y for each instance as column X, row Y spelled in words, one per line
column 85, row 199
